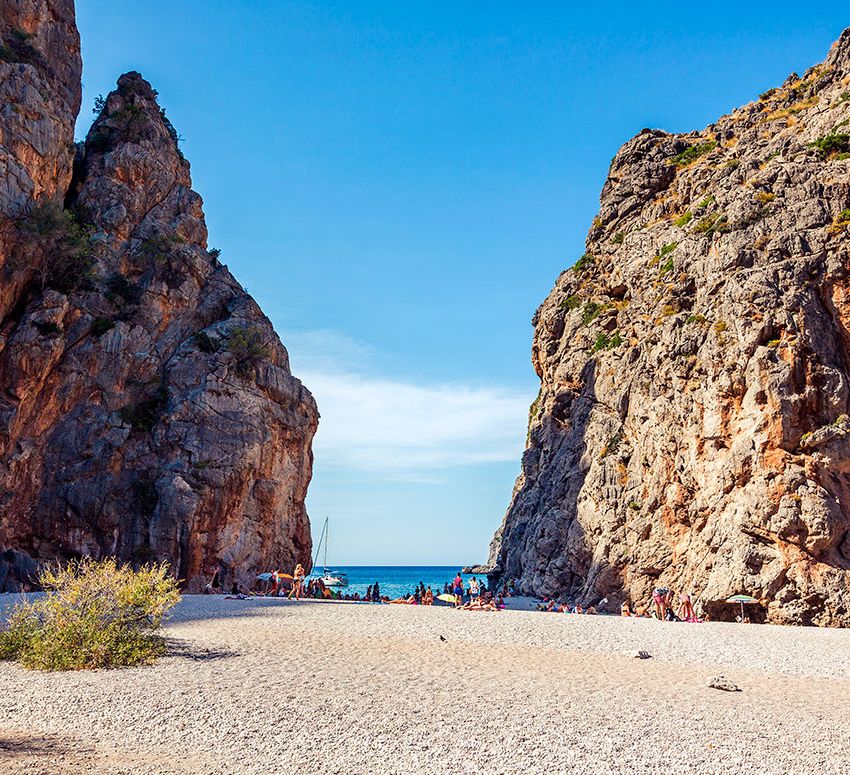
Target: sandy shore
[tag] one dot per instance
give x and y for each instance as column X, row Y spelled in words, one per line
column 266, row 686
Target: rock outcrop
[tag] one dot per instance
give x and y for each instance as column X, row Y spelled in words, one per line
column 691, row 428
column 147, row 409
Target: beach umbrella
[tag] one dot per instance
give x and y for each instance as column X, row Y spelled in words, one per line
column 742, row 599
column 447, row 598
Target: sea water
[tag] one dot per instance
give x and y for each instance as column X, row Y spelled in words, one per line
column 398, row 580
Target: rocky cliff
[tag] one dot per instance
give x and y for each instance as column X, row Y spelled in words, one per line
column 692, row 424
column 147, row 409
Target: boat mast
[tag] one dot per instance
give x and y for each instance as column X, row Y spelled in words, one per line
column 319, row 545
column 327, row 536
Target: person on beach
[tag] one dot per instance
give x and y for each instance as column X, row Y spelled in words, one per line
column 368, row 595
column 457, row 589
column 473, row 590
column 297, row 582
column 686, row 608
column 479, row 605
column 428, row 598
column 661, row 599
column 625, row 610
column 376, row 593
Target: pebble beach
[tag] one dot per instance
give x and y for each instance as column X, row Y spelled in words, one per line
column 267, row 685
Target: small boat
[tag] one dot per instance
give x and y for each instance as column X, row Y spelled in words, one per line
column 334, row 579
column 330, row 578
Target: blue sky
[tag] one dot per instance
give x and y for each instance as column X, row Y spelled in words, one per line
column 399, row 185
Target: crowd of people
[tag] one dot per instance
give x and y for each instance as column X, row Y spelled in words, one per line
column 661, row 605
column 473, row 595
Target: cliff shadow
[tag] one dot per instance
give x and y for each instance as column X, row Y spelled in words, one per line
column 542, row 522
column 195, row 608
column 39, row 752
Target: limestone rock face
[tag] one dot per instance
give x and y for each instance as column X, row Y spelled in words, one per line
column 147, row 408
column 40, row 92
column 691, row 428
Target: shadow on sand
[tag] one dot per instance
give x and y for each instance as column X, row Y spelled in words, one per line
column 219, row 607
column 22, row 747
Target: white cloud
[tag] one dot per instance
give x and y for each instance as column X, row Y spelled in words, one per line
column 324, row 350
column 398, row 428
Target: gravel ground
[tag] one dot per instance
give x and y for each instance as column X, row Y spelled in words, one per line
column 261, row 686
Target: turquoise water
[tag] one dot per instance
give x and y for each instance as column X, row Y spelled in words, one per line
column 396, row 580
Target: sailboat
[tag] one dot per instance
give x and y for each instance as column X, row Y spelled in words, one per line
column 329, row 578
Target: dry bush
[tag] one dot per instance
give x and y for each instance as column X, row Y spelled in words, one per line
column 94, row 614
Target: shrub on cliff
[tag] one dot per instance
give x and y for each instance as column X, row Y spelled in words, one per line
column 95, row 614
column 832, row 145
column 248, row 347
column 18, row 49
column 144, row 415
column 61, row 244
column 692, row 153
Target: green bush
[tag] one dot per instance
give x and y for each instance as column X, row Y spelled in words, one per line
column 143, row 416
column 47, row 329
column 692, row 153
column 169, row 127
column 205, row 343
column 121, row 290
column 684, row 219
column 160, row 248
column 589, row 312
column 666, row 267
column 94, row 615
column 605, row 342
column 248, row 346
column 831, row 145
column 584, row 263
column 711, row 224
column 618, row 238
column 17, row 49
column 54, row 239
column 102, row 325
